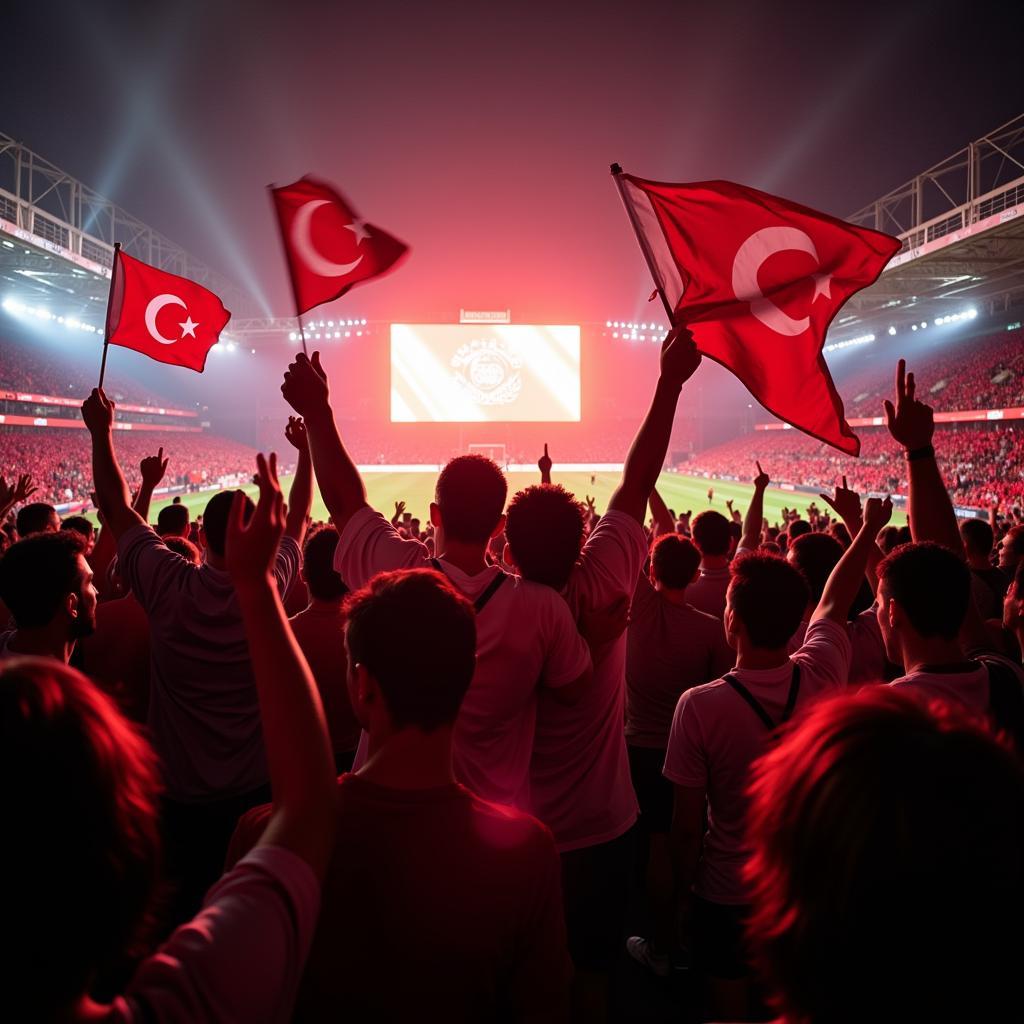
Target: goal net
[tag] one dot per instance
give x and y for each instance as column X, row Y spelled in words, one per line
column 494, row 452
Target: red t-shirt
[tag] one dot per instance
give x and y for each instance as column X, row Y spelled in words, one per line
column 437, row 905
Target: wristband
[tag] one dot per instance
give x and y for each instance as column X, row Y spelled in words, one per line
column 927, row 452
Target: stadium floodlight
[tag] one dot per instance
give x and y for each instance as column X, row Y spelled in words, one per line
column 348, row 334
column 892, row 329
column 231, row 346
column 924, row 324
column 615, row 334
column 607, row 323
column 364, row 321
column 253, row 351
column 292, row 336
column 939, row 322
column 971, row 313
column 913, row 327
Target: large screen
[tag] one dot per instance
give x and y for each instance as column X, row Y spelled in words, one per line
column 464, row 373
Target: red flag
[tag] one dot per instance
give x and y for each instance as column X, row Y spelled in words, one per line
column 758, row 280
column 329, row 248
column 168, row 318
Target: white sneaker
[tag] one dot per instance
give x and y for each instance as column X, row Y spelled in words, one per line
column 641, row 951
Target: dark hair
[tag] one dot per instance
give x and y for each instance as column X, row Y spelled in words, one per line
column 83, row 858
column 769, row 596
column 184, row 547
column 1015, row 536
column 172, row 521
column 215, row 518
column 798, row 528
column 544, row 531
column 37, row 573
column 674, row 561
column 931, row 584
column 977, row 536
column 889, row 539
column 424, row 677
column 815, row 555
column 80, row 525
column 318, row 565
column 471, row 493
column 712, row 533
column 886, row 867
column 36, row 517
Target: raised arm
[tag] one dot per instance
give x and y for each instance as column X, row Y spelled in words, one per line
column 14, row 493
column 663, row 521
column 294, row 731
column 646, row 458
column 754, row 521
column 544, row 465
column 844, row 582
column 152, row 468
column 300, row 497
column 112, row 491
column 306, row 390
column 847, row 505
column 912, row 425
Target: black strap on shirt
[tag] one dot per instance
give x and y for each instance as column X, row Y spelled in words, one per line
column 492, row 587
column 755, row 704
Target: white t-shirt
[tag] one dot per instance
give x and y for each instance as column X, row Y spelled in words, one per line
column 868, row 662
column 579, row 774
column 716, row 736
column 707, row 592
column 241, row 957
column 970, row 687
column 525, row 637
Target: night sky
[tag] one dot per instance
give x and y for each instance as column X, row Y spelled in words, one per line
column 481, row 133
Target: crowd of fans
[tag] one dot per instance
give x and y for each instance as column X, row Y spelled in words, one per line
column 982, row 465
column 805, row 737
column 61, row 461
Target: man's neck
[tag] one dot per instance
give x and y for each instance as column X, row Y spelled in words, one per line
column 44, row 643
column 215, row 561
column 978, row 562
column 673, row 595
column 760, row 658
column 410, row 759
column 920, row 653
column 714, row 562
column 470, row 558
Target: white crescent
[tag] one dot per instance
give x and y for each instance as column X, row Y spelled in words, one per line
column 302, row 240
column 752, row 253
column 154, row 307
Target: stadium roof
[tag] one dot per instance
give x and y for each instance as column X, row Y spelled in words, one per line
column 962, row 227
column 57, row 240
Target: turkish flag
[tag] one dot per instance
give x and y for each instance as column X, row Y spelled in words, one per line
column 758, row 280
column 163, row 316
column 329, row 248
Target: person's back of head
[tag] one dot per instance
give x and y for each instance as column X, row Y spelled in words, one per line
column 323, row 582
column 544, row 532
column 82, row 860
column 766, row 601
column 423, row 677
column 887, row 864
column 173, row 521
column 46, row 575
column 675, row 562
column 815, row 555
column 923, row 587
column 798, row 528
column 80, row 525
column 37, row 517
column 185, row 548
column 712, row 534
column 1011, row 549
column 470, row 498
column 977, row 537
column 215, row 519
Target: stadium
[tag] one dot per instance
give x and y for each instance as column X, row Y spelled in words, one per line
column 951, row 301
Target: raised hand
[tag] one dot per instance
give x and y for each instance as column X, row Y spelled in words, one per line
column 877, row 514
column 295, row 433
column 846, row 504
column 679, row 356
column 153, row 467
column 399, row 509
column 590, row 505
column 762, row 480
column 13, row 493
column 98, row 412
column 911, row 422
column 250, row 548
column 544, row 462
column 305, row 386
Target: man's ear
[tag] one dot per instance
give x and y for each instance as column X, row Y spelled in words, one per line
column 435, row 514
column 500, row 528
column 506, row 557
column 201, row 537
column 71, row 605
column 897, row 616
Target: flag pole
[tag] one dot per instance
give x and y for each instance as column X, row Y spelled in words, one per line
column 642, row 240
column 106, row 322
column 291, row 277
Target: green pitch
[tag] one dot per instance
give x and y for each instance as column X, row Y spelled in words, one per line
column 681, row 493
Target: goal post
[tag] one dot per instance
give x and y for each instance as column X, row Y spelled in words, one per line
column 494, row 452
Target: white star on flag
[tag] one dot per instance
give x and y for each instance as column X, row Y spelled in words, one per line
column 188, row 327
column 358, row 228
